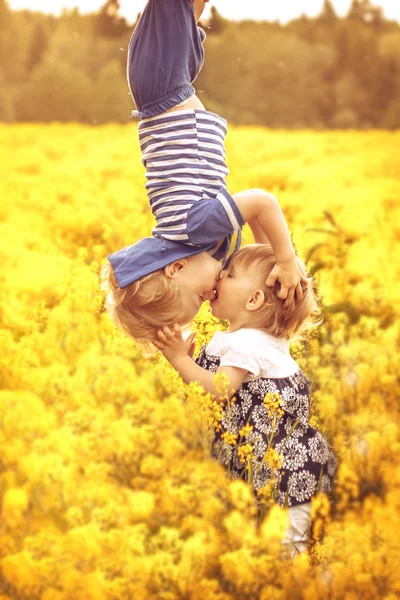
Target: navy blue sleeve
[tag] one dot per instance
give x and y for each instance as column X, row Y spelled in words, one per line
column 210, row 220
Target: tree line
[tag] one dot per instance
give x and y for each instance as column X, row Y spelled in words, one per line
column 323, row 72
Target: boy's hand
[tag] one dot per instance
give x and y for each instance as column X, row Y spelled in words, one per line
column 292, row 278
column 172, row 345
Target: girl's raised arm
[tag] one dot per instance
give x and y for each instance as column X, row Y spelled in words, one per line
column 177, row 351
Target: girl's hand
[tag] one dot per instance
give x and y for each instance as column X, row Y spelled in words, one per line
column 292, row 278
column 172, row 345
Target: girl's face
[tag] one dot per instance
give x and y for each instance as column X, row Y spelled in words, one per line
column 235, row 288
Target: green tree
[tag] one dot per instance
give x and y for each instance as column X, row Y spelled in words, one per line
column 216, row 22
column 365, row 11
column 389, row 51
column 5, row 12
column 56, row 92
column 12, row 45
column 317, row 72
column 328, row 16
column 275, row 80
column 111, row 100
column 7, row 109
column 350, row 98
column 38, row 46
column 109, row 22
column 80, row 50
column 5, row 20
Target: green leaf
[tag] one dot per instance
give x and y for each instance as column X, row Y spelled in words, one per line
column 321, row 230
column 331, row 219
column 316, row 267
column 313, row 250
column 344, row 307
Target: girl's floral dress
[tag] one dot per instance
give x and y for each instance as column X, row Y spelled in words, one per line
column 264, row 433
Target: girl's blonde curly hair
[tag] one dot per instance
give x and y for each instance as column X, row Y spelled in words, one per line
column 272, row 317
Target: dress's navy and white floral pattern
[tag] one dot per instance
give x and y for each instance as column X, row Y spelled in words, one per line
column 309, row 463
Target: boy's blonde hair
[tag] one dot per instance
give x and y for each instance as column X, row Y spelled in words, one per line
column 142, row 307
column 273, row 318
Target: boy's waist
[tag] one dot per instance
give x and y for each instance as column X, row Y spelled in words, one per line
column 157, row 107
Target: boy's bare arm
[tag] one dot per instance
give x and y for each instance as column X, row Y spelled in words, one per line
column 198, row 8
column 191, row 372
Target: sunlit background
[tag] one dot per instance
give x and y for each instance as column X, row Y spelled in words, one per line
column 321, row 64
column 251, row 9
column 107, row 489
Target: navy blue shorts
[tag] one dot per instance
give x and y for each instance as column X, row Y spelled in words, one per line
column 165, row 56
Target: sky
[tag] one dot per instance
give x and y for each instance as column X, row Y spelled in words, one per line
column 284, row 10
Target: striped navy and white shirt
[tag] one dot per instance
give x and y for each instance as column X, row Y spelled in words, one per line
column 184, row 156
column 183, row 151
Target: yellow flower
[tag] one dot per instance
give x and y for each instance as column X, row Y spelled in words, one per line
column 229, row 438
column 245, row 453
column 15, row 502
column 273, row 403
column 246, row 431
column 274, row 526
column 108, row 489
column 320, row 512
column 221, row 384
column 273, row 459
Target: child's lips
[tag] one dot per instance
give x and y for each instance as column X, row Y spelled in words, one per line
column 215, row 296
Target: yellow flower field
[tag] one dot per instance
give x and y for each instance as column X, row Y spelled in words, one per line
column 107, row 489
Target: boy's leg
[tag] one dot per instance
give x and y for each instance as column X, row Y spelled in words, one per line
column 165, row 55
column 199, row 6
